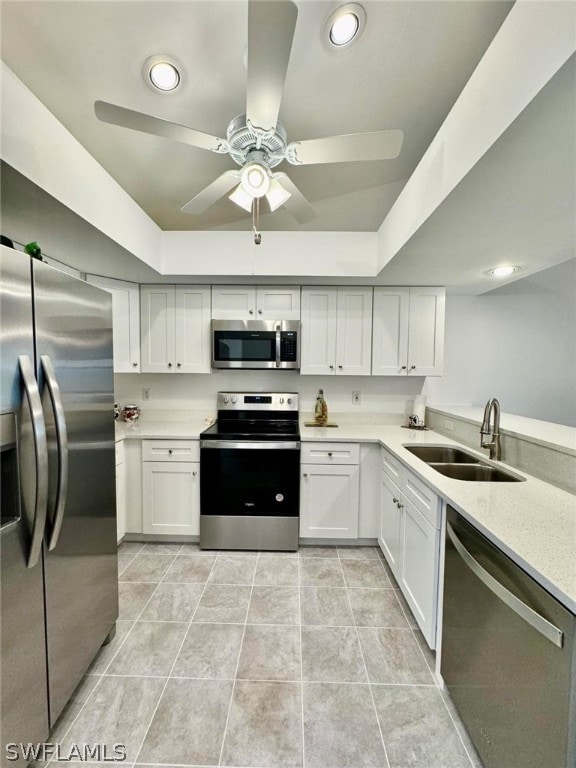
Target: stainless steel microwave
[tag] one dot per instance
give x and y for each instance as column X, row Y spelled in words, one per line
column 256, row 344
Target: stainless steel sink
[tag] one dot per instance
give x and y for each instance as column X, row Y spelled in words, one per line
column 444, row 454
column 482, row 473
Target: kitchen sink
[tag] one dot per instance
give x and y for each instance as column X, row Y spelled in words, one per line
column 442, row 454
column 482, row 473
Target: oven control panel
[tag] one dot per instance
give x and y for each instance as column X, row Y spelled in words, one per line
column 257, row 401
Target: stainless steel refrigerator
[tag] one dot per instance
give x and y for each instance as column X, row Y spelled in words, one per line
column 59, row 593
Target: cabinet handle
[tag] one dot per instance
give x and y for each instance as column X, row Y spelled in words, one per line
column 170, row 450
column 330, row 453
column 169, row 365
column 135, row 364
column 395, row 500
column 331, row 367
column 250, row 311
column 305, row 474
column 412, row 367
column 179, row 365
column 400, row 506
column 340, row 367
column 404, row 367
column 259, row 311
column 194, row 473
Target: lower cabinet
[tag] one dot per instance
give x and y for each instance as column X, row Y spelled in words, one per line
column 170, row 488
column 329, row 495
column 411, row 545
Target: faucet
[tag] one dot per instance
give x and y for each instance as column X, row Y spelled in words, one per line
column 485, row 429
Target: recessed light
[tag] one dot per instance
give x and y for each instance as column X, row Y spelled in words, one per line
column 344, row 26
column 161, row 73
column 502, row 271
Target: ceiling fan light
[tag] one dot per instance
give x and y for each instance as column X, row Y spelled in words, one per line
column 255, row 180
column 161, row 73
column 242, row 198
column 277, row 195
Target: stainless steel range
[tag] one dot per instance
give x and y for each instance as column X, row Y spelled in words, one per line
column 250, row 473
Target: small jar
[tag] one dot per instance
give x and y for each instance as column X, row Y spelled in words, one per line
column 131, row 413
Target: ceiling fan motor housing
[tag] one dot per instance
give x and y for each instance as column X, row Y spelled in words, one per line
column 243, row 138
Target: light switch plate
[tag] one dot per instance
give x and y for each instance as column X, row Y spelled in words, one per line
column 356, row 397
column 146, row 393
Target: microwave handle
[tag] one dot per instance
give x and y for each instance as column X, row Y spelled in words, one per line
column 278, row 344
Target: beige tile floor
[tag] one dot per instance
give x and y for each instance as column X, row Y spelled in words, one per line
column 250, row 659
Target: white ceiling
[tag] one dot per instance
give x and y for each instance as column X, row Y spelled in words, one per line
column 405, row 72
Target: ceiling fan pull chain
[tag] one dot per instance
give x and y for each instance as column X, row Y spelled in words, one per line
column 256, row 220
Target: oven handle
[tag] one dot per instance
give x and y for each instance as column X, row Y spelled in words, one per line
column 250, row 445
column 278, row 345
column 537, row 621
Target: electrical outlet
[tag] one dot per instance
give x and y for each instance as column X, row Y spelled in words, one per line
column 356, row 398
column 146, row 393
column 449, row 425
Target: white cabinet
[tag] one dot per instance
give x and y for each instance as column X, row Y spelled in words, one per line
column 251, row 302
column 175, row 329
column 408, row 331
column 329, row 490
column 125, row 321
column 336, row 331
column 170, row 488
column 62, row 267
column 120, row 491
column 410, row 520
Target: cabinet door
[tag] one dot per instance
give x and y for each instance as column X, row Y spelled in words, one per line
column 171, row 498
column 329, row 501
column 125, row 321
column 354, row 332
column 192, row 329
column 120, row 492
column 426, row 331
column 62, row 267
column 318, row 343
column 390, row 332
column 234, row 302
column 390, row 522
column 418, row 576
column 277, row 303
column 158, row 305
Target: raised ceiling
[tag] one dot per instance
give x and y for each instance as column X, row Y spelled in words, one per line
column 406, row 71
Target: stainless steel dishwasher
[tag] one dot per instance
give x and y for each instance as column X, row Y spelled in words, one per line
column 508, row 656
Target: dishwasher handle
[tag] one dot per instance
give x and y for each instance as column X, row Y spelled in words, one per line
column 542, row 625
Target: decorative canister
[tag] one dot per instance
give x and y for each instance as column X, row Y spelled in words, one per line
column 131, row 413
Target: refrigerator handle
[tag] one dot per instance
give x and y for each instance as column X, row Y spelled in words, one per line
column 62, row 441
column 41, row 457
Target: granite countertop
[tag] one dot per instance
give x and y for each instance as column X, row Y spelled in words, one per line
column 533, row 522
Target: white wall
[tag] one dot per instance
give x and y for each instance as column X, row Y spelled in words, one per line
column 391, row 397
column 518, row 344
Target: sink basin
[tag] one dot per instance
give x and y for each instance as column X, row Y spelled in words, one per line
column 476, row 473
column 444, row 454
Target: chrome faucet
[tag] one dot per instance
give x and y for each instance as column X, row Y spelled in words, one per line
column 485, row 429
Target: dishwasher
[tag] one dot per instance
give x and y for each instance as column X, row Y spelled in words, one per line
column 508, row 655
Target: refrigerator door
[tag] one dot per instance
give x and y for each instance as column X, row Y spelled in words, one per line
column 23, row 685
column 73, row 328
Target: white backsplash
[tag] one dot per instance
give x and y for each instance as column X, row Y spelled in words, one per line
column 383, row 400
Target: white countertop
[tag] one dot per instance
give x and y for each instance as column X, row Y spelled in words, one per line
column 533, row 522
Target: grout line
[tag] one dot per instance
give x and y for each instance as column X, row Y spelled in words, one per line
column 237, row 665
column 368, row 680
column 171, row 668
column 128, row 563
column 301, row 670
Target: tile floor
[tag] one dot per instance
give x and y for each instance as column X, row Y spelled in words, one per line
column 260, row 659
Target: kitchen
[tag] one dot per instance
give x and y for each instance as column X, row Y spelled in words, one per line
column 336, row 644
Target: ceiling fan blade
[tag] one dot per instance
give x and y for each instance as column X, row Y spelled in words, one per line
column 296, row 204
column 379, row 145
column 271, row 25
column 138, row 121
column 212, row 192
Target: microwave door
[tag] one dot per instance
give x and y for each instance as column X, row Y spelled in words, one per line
column 244, row 349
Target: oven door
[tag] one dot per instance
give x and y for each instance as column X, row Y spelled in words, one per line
column 249, row 478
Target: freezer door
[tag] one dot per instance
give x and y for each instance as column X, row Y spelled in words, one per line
column 75, row 373
column 23, row 685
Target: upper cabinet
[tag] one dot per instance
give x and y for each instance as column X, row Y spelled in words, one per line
column 408, row 332
column 125, row 321
column 336, row 331
column 175, row 328
column 251, row 302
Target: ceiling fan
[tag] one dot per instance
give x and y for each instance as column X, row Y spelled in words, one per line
column 257, row 141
